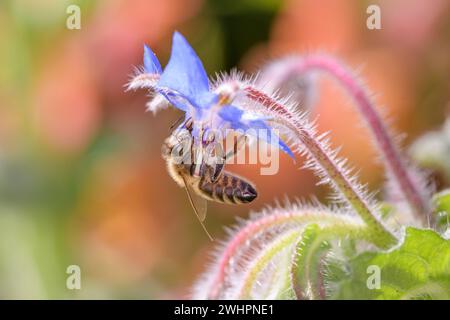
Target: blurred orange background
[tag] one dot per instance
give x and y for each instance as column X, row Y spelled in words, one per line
column 82, row 180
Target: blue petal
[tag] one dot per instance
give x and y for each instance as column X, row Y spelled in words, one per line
column 176, row 100
column 151, row 62
column 233, row 116
column 181, row 102
column 269, row 133
column 185, row 74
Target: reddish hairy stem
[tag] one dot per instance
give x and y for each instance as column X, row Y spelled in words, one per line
column 381, row 236
column 393, row 160
column 250, row 230
column 233, row 246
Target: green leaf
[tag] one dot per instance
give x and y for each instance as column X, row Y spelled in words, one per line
column 418, row 269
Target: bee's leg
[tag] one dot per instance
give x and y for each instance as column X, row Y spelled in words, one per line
column 217, row 170
column 240, row 142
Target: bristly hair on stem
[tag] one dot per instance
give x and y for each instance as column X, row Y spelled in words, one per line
column 239, row 103
column 321, row 158
column 282, row 252
column 231, row 272
column 404, row 178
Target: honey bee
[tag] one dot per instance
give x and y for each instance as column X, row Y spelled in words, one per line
column 204, row 180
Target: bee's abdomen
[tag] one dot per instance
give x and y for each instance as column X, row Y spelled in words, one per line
column 229, row 189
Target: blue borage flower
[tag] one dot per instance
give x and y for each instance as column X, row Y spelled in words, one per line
column 184, row 84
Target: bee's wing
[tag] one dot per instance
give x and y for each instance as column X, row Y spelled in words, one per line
column 199, row 205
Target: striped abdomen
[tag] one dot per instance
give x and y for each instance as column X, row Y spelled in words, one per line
column 227, row 188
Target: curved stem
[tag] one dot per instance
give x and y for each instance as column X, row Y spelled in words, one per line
column 328, row 167
column 320, row 235
column 281, row 243
column 393, row 160
column 252, row 229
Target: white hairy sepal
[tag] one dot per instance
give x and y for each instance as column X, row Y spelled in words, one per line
column 148, row 81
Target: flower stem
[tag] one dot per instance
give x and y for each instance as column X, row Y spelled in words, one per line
column 283, row 242
column 393, row 160
column 261, row 224
column 307, row 249
column 328, row 167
